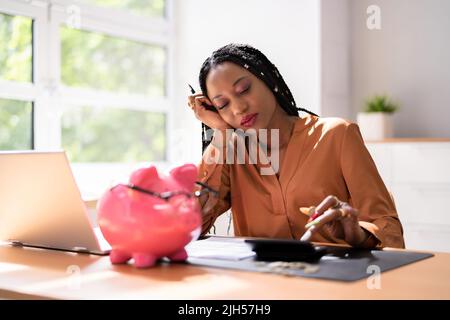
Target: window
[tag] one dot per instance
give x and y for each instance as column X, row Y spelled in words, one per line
column 16, row 120
column 16, row 125
column 16, row 34
column 155, row 8
column 126, row 135
column 90, row 77
column 94, row 60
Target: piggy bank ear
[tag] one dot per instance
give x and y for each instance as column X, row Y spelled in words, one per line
column 186, row 175
column 144, row 177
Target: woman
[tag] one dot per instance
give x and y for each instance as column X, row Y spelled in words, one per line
column 323, row 162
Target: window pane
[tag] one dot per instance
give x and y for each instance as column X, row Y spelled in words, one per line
column 16, row 123
column 98, row 61
column 113, row 135
column 16, row 35
column 154, row 8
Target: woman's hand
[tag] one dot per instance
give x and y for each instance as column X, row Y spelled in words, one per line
column 340, row 220
column 211, row 118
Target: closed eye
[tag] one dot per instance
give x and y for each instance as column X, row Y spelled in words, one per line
column 242, row 92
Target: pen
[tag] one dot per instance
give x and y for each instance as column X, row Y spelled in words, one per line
column 312, row 214
column 192, row 89
column 207, row 106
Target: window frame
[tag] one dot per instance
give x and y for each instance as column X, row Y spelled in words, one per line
column 49, row 94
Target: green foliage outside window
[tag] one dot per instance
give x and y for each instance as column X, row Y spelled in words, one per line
column 113, row 135
column 94, row 61
column 15, row 124
column 15, row 48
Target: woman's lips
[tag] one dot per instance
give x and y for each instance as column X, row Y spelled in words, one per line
column 249, row 120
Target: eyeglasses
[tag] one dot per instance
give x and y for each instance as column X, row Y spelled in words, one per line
column 169, row 194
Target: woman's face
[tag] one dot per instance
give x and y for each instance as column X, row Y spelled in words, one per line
column 242, row 100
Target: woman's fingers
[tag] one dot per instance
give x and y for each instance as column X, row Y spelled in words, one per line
column 199, row 104
column 351, row 227
column 332, row 209
column 326, row 204
column 327, row 216
column 349, row 212
column 191, row 100
column 196, row 101
column 347, row 215
column 307, row 235
column 199, row 108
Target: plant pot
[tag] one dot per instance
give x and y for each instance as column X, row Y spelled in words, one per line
column 375, row 125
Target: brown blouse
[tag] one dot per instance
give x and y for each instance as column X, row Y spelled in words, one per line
column 324, row 156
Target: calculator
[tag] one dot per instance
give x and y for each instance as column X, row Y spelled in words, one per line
column 285, row 250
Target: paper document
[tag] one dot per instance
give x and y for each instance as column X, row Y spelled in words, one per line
column 219, row 248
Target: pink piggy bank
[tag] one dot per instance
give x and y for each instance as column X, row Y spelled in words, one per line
column 151, row 217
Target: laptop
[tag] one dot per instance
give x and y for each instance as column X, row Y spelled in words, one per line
column 41, row 205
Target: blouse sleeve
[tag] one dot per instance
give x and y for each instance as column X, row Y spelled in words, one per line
column 368, row 192
column 214, row 172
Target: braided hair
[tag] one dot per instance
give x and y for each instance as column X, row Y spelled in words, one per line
column 257, row 63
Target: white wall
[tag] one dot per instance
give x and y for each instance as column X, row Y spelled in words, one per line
column 409, row 59
column 286, row 31
column 335, row 85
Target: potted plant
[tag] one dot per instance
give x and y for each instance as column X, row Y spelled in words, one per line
column 376, row 122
